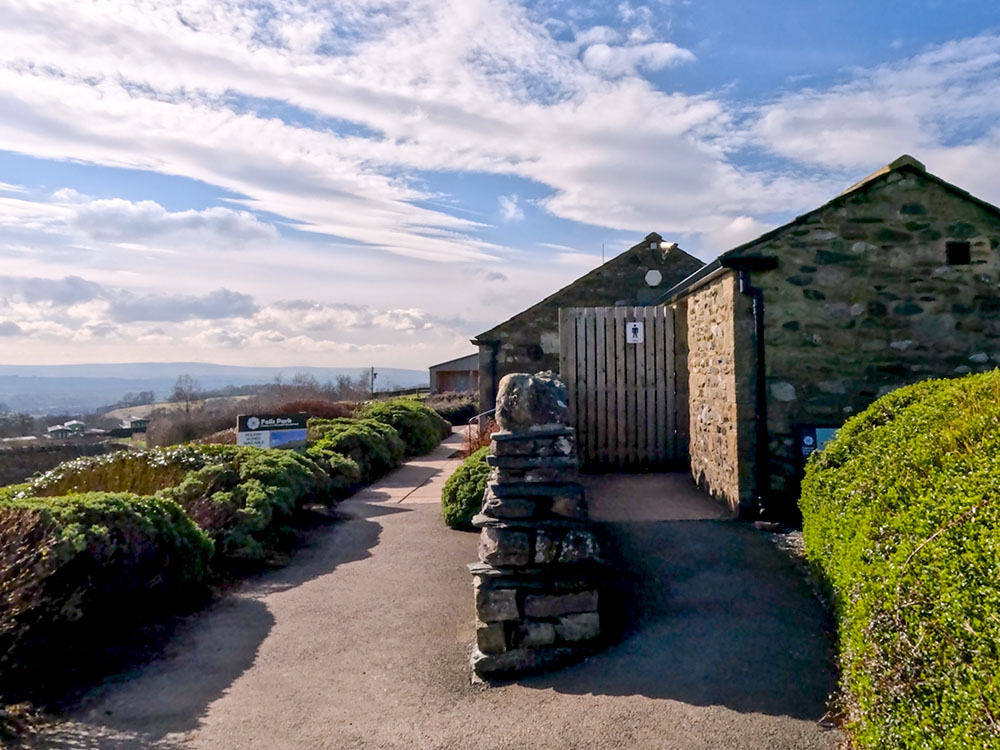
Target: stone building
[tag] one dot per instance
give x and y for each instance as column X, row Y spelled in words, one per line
column 781, row 339
column 529, row 341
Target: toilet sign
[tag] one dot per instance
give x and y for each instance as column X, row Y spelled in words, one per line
column 633, row 332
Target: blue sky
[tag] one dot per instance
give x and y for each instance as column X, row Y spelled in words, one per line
column 351, row 183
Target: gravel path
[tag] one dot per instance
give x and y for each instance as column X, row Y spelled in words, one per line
column 362, row 642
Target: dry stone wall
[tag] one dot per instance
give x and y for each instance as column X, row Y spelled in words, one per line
column 538, row 580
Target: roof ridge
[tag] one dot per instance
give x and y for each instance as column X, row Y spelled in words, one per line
column 903, row 161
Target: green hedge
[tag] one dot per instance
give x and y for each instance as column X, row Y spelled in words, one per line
column 244, row 498
column 421, row 428
column 373, row 446
column 462, row 494
column 901, row 517
column 142, row 472
column 74, row 570
column 99, row 541
column 455, row 407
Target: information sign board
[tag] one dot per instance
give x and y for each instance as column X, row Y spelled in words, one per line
column 271, row 430
column 813, row 438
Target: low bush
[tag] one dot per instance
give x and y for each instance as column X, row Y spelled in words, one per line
column 142, row 472
column 456, row 407
column 222, row 437
column 462, row 494
column 901, row 517
column 242, row 497
column 317, row 408
column 245, row 498
column 421, row 428
column 67, row 566
column 374, row 447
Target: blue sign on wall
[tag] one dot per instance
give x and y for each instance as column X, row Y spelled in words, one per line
column 813, row 437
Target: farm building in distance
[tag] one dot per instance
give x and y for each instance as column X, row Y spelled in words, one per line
column 461, row 374
column 768, row 349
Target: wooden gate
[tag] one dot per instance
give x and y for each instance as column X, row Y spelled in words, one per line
column 620, row 378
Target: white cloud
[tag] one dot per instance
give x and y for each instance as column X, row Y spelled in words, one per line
column 621, row 61
column 510, row 209
column 122, row 220
column 919, row 105
column 114, row 221
column 147, row 89
column 331, row 115
column 730, row 234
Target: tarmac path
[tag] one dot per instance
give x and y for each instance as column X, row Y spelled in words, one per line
column 362, row 641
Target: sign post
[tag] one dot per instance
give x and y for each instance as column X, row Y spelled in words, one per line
column 271, row 430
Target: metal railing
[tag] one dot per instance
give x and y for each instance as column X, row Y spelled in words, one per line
column 476, row 423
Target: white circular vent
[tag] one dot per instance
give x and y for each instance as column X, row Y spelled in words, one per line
column 654, row 277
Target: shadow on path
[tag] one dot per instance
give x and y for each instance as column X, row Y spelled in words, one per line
column 712, row 614
column 156, row 702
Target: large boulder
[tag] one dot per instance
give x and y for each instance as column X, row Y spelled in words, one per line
column 531, row 402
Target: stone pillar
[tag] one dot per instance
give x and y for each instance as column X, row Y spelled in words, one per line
column 537, row 582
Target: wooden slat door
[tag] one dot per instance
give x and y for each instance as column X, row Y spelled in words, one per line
column 621, row 394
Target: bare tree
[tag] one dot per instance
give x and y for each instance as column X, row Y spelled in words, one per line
column 186, row 390
column 304, row 385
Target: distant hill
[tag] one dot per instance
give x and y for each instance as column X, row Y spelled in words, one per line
column 70, row 389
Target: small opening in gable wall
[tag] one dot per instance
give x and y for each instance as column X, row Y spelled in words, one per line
column 958, row 253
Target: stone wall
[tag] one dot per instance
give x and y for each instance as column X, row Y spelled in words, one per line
column 537, row 583
column 864, row 301
column 529, row 342
column 718, row 389
column 18, row 463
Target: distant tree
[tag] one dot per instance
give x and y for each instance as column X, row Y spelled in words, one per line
column 15, row 425
column 304, row 385
column 186, row 390
column 137, row 399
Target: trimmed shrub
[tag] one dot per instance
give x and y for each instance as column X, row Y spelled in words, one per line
column 901, row 517
column 67, row 566
column 343, row 472
column 421, row 428
column 372, row 445
column 462, row 494
column 142, row 472
column 456, row 407
column 243, row 497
